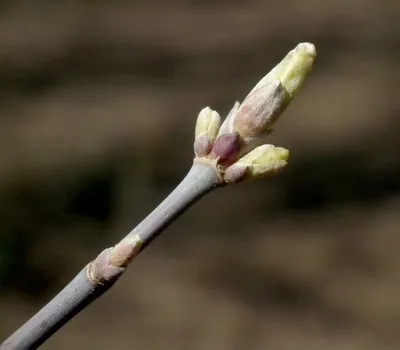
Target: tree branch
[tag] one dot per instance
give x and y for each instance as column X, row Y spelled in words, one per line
column 101, row 274
column 225, row 153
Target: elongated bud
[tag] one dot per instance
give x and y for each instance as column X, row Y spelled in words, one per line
column 268, row 99
column 207, row 126
column 263, row 161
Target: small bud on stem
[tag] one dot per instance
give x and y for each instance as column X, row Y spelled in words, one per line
column 262, row 161
column 207, row 126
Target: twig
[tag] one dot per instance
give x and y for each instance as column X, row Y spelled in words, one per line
column 225, row 154
column 99, row 275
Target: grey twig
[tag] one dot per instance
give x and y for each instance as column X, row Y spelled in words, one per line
column 224, row 154
column 100, row 274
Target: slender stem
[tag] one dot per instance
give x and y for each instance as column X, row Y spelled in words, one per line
column 200, row 180
column 100, row 274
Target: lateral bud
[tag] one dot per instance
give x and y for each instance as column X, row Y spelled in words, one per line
column 207, row 126
column 226, row 148
column 262, row 161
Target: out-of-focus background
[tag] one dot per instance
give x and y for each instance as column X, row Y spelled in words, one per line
column 98, row 105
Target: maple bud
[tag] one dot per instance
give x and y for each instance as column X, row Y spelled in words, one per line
column 207, row 126
column 253, row 119
column 262, row 161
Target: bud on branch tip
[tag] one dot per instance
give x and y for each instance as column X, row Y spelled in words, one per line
column 232, row 146
column 230, row 153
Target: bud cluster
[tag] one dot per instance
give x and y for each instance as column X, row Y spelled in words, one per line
column 236, row 145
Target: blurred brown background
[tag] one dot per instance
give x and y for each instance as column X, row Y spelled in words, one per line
column 98, row 105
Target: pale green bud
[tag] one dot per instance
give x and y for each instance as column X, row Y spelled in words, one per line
column 207, row 126
column 262, row 161
column 269, row 98
column 208, row 122
column 293, row 69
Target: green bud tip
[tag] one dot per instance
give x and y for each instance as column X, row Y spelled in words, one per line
column 208, row 122
column 262, row 161
column 294, row 68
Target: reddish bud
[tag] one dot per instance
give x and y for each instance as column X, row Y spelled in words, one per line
column 227, row 148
